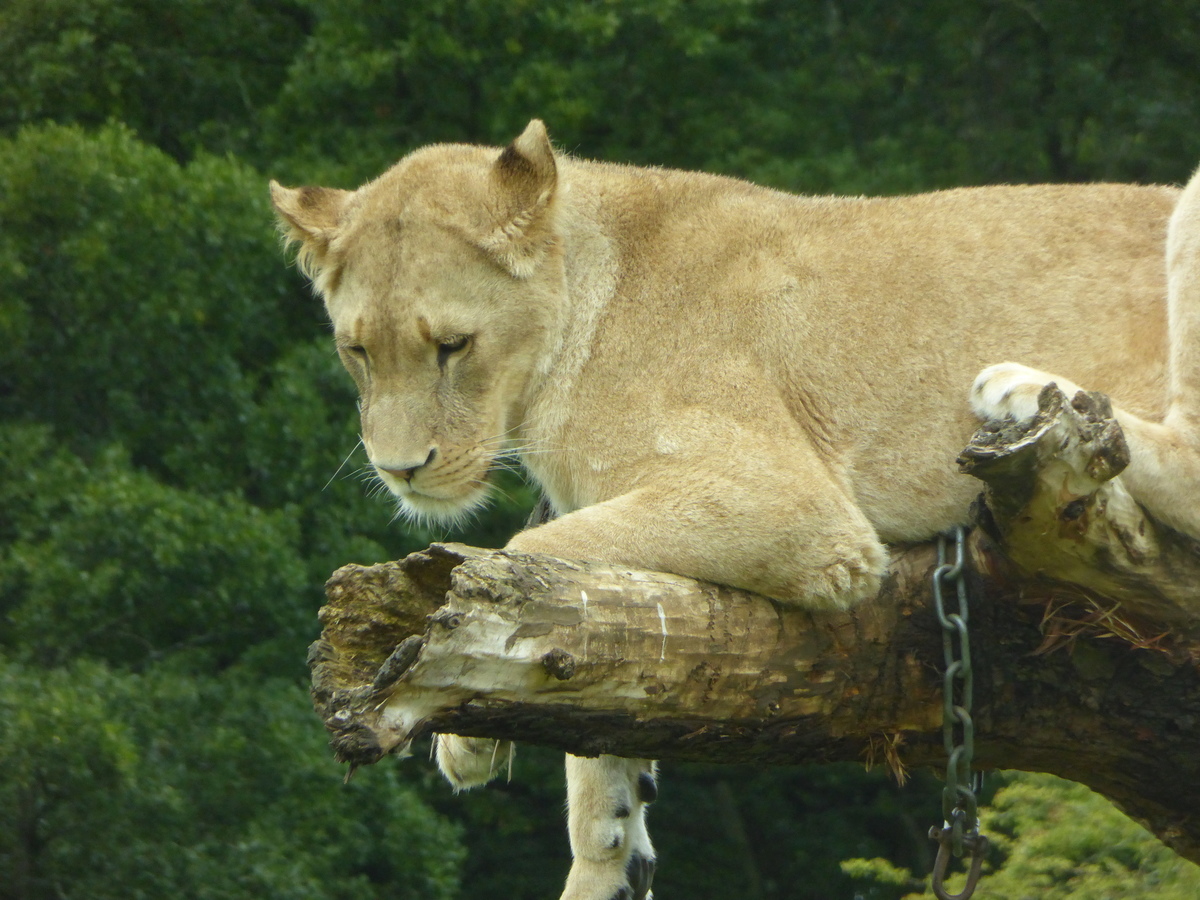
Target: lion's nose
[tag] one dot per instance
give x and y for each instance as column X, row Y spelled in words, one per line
column 405, row 473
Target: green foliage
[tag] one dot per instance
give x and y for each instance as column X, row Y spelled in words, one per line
column 111, row 564
column 1055, row 840
column 184, row 74
column 1058, row 840
column 618, row 76
column 143, row 296
column 872, row 96
column 118, row 785
column 776, row 834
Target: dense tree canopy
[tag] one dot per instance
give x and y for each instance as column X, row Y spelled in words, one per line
column 172, row 417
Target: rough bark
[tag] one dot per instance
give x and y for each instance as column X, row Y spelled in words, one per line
column 1083, row 631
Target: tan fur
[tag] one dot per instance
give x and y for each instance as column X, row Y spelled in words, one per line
column 714, row 379
column 471, row 762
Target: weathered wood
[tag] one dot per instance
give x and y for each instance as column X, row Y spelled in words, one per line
column 599, row 659
column 1059, row 510
column 513, row 636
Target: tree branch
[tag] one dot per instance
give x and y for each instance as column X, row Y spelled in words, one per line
column 1083, row 637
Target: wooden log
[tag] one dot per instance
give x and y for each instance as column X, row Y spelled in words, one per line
column 538, row 642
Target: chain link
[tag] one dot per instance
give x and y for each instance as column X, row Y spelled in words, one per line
column 959, row 833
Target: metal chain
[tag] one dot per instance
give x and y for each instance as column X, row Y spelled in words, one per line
column 959, row 833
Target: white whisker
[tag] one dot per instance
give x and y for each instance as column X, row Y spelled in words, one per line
column 343, row 464
column 500, row 464
column 494, row 488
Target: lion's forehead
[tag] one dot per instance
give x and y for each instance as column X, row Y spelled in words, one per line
column 433, row 299
column 426, row 250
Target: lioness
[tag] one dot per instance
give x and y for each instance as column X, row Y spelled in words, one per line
column 714, row 379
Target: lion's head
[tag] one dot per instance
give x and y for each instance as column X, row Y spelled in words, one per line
column 443, row 280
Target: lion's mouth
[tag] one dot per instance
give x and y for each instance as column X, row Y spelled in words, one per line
column 443, row 501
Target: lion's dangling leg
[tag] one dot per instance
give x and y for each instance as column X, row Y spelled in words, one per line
column 613, row 858
column 607, row 797
column 1164, row 469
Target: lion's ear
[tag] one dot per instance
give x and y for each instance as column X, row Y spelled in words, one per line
column 309, row 216
column 524, row 178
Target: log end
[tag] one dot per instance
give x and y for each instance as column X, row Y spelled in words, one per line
column 374, row 621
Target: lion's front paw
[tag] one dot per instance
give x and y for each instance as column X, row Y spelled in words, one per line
column 470, row 762
column 1010, row 390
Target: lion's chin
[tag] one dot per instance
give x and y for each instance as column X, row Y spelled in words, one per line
column 424, row 509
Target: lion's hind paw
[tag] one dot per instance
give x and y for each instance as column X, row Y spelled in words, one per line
column 1010, row 390
column 469, row 762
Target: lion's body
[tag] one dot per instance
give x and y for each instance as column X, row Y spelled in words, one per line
column 854, row 327
column 728, row 382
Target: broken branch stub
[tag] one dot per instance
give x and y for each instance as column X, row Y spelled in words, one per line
column 1059, row 509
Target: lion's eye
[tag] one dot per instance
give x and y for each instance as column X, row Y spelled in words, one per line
column 447, row 348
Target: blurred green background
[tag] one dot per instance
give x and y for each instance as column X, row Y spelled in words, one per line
column 172, row 416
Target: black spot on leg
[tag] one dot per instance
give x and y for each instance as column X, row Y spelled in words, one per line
column 647, row 788
column 639, row 872
column 622, row 812
column 615, row 842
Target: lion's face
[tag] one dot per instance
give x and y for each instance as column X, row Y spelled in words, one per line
column 442, row 344
column 444, row 299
